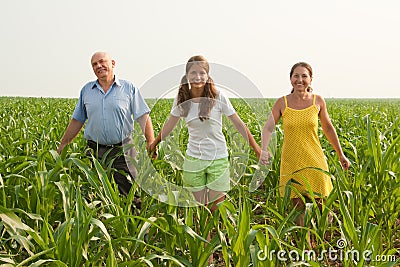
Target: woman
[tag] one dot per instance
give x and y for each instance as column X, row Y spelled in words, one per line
column 206, row 166
column 302, row 153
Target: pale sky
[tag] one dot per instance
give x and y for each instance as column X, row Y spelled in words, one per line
column 353, row 46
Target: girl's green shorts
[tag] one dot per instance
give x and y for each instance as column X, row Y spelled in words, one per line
column 213, row 174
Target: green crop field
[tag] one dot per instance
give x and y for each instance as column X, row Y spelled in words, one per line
column 65, row 210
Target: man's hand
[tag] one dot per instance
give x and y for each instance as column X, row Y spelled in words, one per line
column 152, row 149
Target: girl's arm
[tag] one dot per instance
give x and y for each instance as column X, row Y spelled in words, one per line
column 165, row 131
column 245, row 132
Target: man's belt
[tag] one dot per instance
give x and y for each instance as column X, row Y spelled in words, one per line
column 95, row 145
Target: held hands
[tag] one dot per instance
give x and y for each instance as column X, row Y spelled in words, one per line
column 265, row 157
column 152, row 149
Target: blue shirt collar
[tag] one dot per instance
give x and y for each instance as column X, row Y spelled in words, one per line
column 97, row 85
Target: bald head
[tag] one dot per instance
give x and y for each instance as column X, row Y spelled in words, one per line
column 100, row 54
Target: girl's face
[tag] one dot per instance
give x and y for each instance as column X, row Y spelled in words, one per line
column 197, row 77
column 300, row 79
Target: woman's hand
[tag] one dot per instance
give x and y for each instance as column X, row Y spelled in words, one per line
column 344, row 162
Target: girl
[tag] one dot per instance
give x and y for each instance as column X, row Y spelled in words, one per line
column 206, row 166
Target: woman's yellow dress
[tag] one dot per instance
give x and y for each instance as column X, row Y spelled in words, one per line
column 302, row 149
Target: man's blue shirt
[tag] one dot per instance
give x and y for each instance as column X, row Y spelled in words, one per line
column 109, row 115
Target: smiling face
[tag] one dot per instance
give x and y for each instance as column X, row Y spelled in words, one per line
column 103, row 66
column 197, row 76
column 300, row 78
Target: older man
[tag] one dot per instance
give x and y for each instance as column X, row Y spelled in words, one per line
column 109, row 107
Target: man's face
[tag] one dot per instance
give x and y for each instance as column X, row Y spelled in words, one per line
column 103, row 65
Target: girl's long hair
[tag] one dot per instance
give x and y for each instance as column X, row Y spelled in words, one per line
column 207, row 100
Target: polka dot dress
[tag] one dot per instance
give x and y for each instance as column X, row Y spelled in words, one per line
column 302, row 149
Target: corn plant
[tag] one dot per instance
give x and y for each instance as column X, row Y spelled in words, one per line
column 65, row 210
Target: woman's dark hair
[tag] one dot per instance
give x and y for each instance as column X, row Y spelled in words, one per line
column 304, row 65
column 207, row 100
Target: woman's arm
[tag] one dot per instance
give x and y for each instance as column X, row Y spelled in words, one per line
column 330, row 132
column 269, row 127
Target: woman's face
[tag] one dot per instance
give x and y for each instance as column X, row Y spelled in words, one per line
column 197, row 76
column 300, row 79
